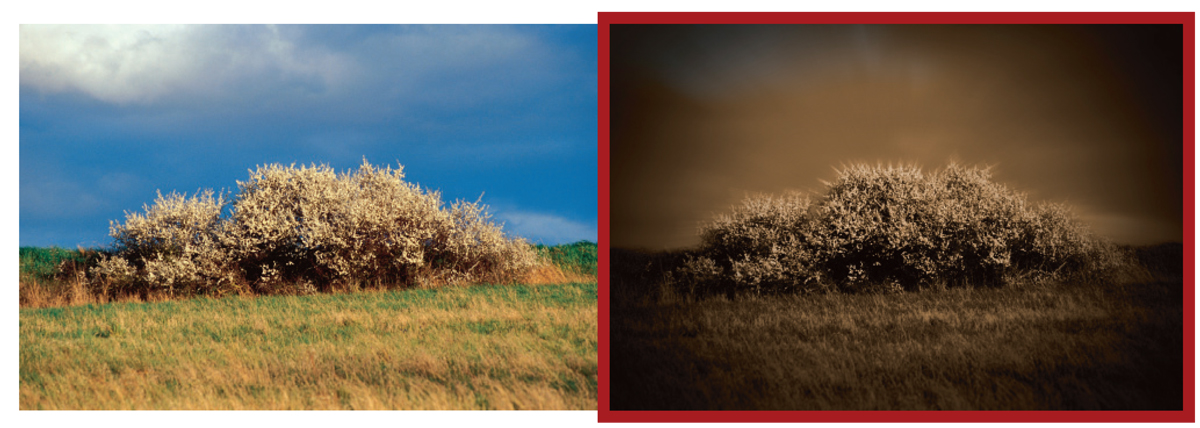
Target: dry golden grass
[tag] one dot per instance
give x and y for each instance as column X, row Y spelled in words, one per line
column 479, row 347
column 551, row 274
column 48, row 294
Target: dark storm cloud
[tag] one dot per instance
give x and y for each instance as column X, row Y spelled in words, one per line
column 111, row 113
column 1090, row 115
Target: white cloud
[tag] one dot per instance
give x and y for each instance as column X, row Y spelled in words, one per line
column 126, row 64
column 546, row 228
column 443, row 67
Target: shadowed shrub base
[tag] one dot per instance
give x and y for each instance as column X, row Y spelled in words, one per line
column 54, row 277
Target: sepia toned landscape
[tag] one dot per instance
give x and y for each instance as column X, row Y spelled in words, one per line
column 897, row 217
column 898, row 291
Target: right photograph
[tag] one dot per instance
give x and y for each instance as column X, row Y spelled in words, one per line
column 900, row 217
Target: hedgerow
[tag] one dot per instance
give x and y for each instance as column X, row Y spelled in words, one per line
column 893, row 228
column 307, row 228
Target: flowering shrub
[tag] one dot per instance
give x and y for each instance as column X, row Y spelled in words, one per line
column 175, row 245
column 892, row 228
column 305, row 226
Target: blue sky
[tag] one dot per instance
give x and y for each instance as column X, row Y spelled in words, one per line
column 110, row 114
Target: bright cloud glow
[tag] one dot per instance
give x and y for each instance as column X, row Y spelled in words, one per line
column 141, row 64
column 125, row 64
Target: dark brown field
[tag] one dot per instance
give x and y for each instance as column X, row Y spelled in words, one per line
column 1116, row 346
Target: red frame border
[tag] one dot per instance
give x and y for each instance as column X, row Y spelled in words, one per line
column 1187, row 19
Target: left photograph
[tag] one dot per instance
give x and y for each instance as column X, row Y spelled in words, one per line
column 291, row 217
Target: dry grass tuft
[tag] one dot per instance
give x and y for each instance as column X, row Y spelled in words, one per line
column 548, row 273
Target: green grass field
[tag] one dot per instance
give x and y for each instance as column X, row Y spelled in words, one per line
column 1058, row 347
column 459, row 347
column 41, row 263
column 579, row 257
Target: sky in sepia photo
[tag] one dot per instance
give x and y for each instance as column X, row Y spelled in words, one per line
column 111, row 114
column 703, row 115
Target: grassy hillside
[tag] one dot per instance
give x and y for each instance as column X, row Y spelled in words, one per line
column 1059, row 346
column 478, row 347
